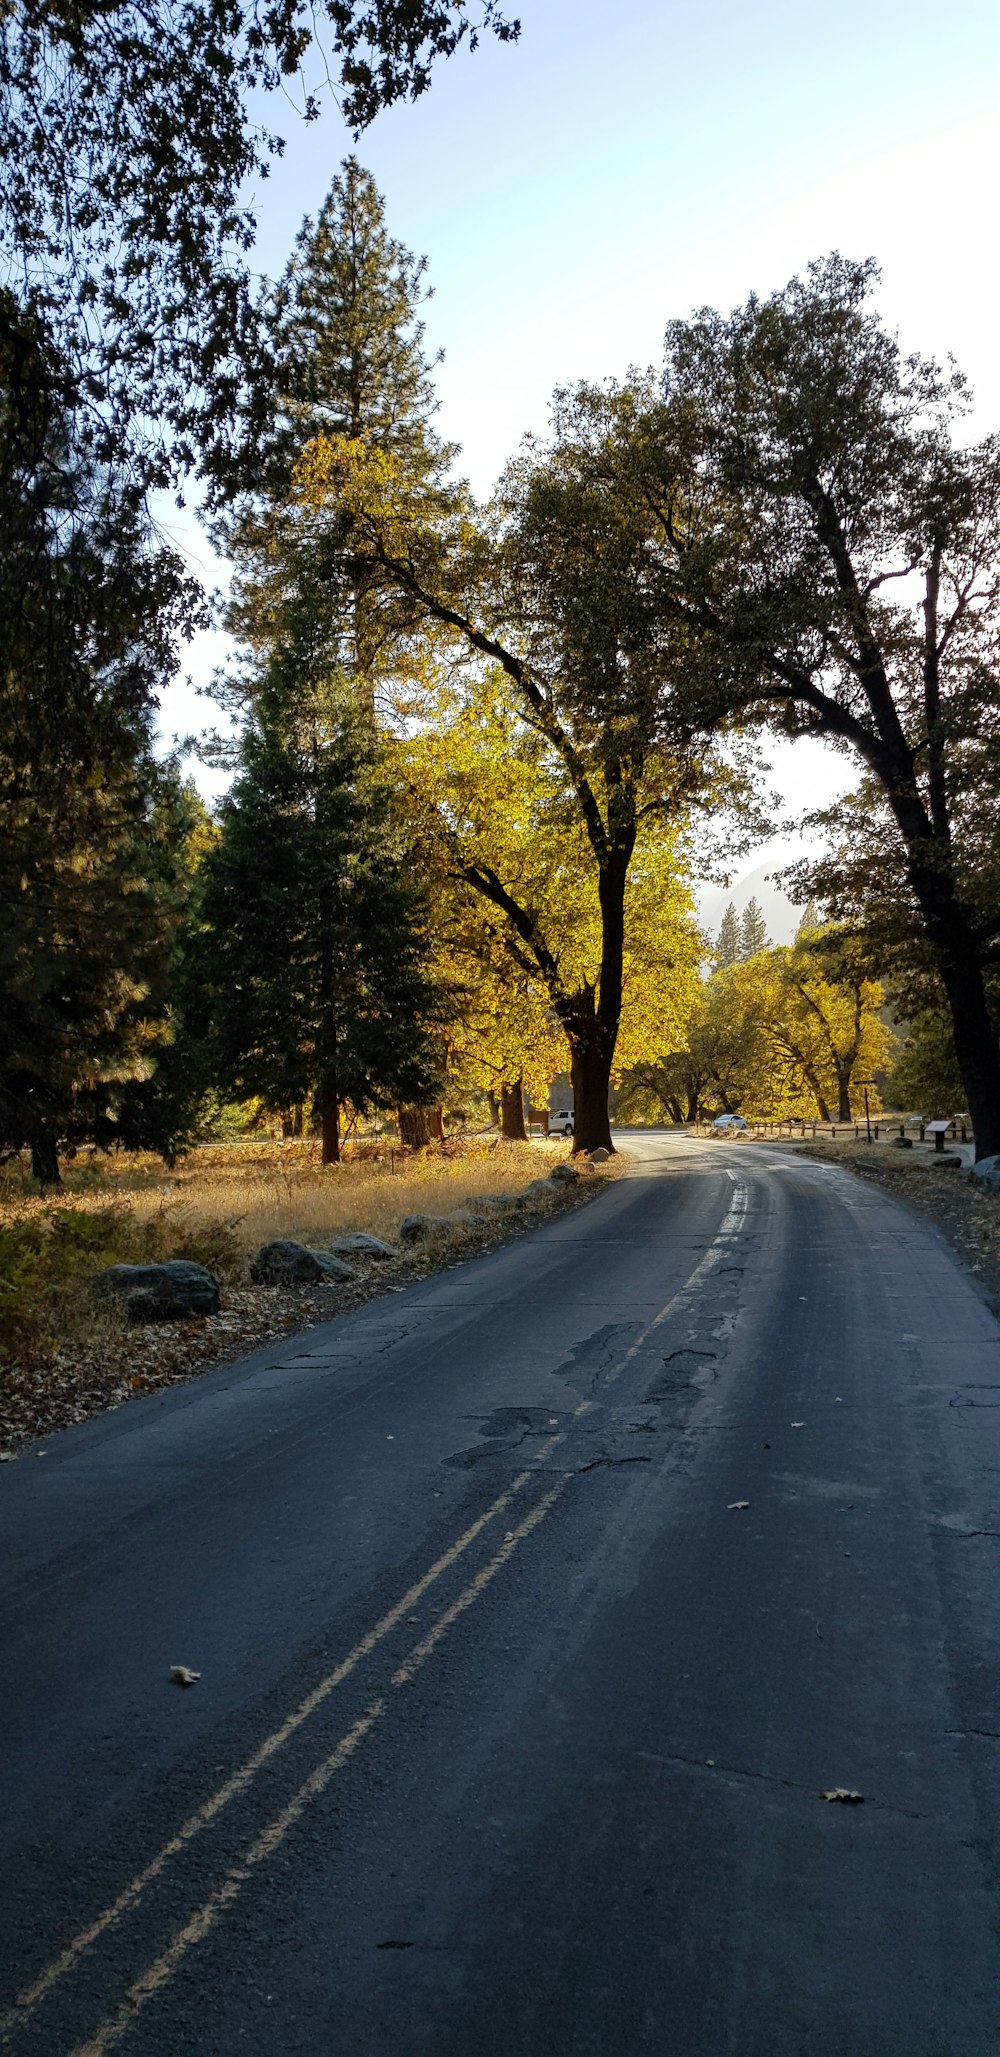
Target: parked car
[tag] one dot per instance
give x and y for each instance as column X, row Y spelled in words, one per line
column 561, row 1124
column 729, row 1124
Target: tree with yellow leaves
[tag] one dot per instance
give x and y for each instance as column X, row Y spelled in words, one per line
column 567, row 817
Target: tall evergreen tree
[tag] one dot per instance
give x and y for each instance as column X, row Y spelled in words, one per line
column 753, row 931
column 88, row 607
column 314, row 927
column 728, row 942
column 348, row 350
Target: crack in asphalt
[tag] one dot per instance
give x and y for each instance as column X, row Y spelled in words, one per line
column 770, row 1778
column 611, row 1462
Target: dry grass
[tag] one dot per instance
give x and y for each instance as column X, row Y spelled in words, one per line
column 63, row 1359
column 242, row 1195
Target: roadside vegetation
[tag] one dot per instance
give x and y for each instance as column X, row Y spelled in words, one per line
column 64, row 1357
column 479, row 750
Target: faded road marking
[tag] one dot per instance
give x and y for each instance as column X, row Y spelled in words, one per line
column 240, row 1780
column 197, row 1927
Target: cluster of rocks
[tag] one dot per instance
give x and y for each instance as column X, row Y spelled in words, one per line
column 987, row 1174
column 176, row 1289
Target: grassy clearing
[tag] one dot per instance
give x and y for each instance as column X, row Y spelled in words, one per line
column 62, row 1359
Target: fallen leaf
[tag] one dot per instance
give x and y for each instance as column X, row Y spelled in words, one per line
column 734, row 1504
column 181, row 1676
column 844, row 1794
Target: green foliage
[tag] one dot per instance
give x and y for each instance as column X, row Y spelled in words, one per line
column 801, row 465
column 926, row 1078
column 555, row 586
column 313, row 931
column 130, row 139
column 728, row 942
column 753, row 931
column 49, row 1254
column 88, row 888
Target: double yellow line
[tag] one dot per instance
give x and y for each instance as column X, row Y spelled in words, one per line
column 268, row 1841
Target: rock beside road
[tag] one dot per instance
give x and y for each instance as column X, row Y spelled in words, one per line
column 159, row 1292
column 356, row 1243
column 422, row 1228
column 285, row 1263
column 987, row 1174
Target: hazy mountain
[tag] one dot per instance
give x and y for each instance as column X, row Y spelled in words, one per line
column 779, row 912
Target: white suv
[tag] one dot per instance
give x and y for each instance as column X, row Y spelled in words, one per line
column 561, row 1124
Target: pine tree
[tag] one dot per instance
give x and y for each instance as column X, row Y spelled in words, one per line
column 753, row 931
column 314, row 928
column 87, row 865
column 348, row 348
column 728, row 943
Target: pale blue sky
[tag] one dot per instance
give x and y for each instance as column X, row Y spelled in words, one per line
column 620, row 165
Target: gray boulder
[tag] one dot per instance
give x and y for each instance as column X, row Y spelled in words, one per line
column 284, row 1263
column 945, row 1160
column 902, row 1143
column 461, row 1217
column 357, row 1244
column 987, row 1173
column 540, row 1192
column 422, row 1228
column 159, row 1292
column 564, row 1175
column 598, row 1156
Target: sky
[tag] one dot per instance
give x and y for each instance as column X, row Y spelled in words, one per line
column 622, row 165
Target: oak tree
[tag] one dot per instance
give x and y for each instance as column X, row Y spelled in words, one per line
column 834, row 553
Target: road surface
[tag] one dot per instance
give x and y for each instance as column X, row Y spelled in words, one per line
column 535, row 1609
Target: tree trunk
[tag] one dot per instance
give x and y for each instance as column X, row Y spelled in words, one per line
column 45, row 1160
column 512, row 1112
column 843, row 1095
column 957, row 956
column 494, row 1107
column 977, row 1053
column 330, row 1129
column 419, row 1126
column 590, row 1072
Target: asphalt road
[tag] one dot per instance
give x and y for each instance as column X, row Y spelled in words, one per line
column 513, row 1721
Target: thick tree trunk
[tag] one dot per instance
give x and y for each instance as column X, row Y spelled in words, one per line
column 494, row 1107
column 419, row 1126
column 590, row 1071
column 45, row 1160
column 330, row 1129
column 974, row 1034
column 957, row 956
column 843, row 1095
column 977, row 1053
column 512, row 1112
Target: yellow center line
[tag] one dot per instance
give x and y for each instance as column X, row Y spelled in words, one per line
column 197, row 1927
column 242, row 1778
column 205, row 1917
column 728, row 1227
